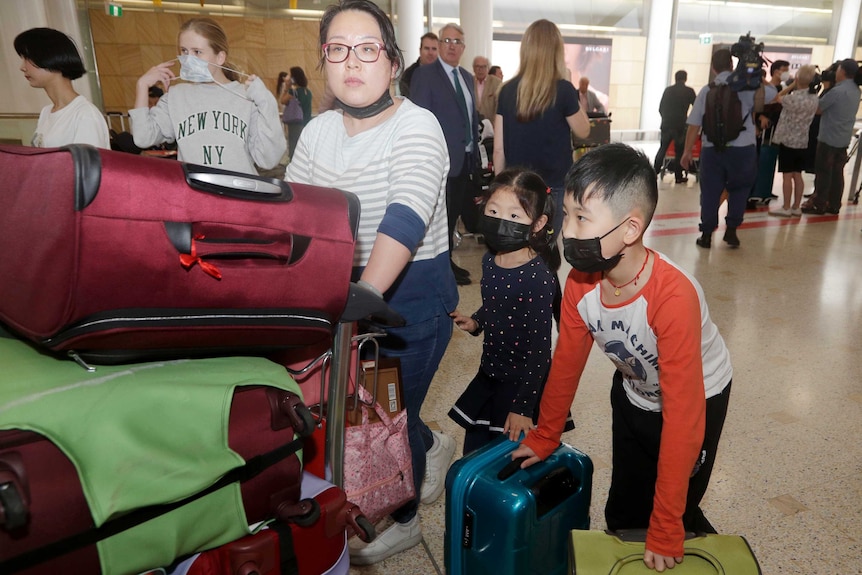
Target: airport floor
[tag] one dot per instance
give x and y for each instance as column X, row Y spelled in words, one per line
column 788, row 303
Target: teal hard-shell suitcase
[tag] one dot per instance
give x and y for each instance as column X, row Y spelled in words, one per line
column 502, row 520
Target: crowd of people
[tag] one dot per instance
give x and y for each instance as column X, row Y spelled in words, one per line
column 803, row 123
column 412, row 160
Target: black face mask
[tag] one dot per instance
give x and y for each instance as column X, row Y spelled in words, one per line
column 586, row 255
column 368, row 111
column 504, row 235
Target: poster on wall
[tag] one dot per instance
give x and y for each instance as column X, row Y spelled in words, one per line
column 797, row 57
column 585, row 57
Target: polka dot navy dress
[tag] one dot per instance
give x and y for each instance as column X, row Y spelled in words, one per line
column 516, row 318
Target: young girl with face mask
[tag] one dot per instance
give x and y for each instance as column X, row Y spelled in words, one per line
column 216, row 120
column 518, row 284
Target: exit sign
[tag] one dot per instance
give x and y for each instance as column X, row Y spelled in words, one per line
column 705, row 38
column 113, row 9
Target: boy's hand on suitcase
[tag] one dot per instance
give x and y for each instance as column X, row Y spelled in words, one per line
column 524, row 451
column 515, row 424
column 660, row 562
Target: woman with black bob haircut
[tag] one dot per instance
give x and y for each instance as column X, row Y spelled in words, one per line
column 50, row 50
column 50, row 60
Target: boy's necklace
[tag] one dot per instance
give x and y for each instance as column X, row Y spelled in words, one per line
column 618, row 288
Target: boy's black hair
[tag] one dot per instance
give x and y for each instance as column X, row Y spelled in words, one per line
column 617, row 174
column 535, row 198
column 387, row 30
column 50, row 50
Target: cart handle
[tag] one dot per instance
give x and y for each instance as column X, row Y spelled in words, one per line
column 362, row 303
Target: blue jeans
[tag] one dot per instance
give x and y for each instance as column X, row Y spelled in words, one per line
column 420, row 347
column 733, row 170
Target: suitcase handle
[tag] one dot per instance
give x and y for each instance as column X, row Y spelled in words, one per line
column 236, row 185
column 634, row 558
column 14, row 492
column 511, row 468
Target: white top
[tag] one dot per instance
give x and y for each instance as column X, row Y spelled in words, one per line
column 223, row 126
column 403, row 161
column 79, row 122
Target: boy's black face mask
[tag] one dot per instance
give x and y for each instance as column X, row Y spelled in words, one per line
column 504, row 235
column 586, row 255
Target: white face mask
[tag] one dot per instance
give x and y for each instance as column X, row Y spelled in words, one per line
column 785, row 77
column 194, row 69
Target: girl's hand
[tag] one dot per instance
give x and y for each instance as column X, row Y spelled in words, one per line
column 464, row 322
column 515, row 424
column 158, row 73
column 250, row 80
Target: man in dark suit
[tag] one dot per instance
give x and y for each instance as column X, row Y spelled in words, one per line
column 434, row 87
column 673, row 108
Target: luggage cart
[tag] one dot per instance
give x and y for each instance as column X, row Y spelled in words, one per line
column 600, row 134
column 853, row 198
column 670, row 156
column 335, row 370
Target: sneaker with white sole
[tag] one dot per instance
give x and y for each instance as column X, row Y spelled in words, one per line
column 796, row 212
column 781, row 213
column 397, row 538
column 436, row 465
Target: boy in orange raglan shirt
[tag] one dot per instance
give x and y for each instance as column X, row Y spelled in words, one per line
column 671, row 388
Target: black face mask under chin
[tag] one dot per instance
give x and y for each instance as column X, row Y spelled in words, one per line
column 381, row 104
column 586, row 255
column 503, row 235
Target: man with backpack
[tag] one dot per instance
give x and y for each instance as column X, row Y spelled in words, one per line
column 728, row 158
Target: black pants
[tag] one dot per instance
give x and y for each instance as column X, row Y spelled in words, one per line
column 829, row 176
column 460, row 199
column 636, row 442
column 677, row 136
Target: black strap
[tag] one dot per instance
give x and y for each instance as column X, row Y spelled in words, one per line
column 287, row 552
column 252, row 468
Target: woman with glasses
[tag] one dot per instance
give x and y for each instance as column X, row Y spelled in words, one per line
column 393, row 156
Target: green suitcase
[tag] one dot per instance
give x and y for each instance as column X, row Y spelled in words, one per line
column 621, row 553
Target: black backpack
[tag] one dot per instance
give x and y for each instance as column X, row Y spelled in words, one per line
column 722, row 116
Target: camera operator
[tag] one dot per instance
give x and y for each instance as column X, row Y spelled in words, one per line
column 837, row 111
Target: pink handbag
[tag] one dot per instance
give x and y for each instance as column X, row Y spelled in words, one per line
column 378, row 471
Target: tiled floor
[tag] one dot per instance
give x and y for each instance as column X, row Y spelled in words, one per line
column 789, row 305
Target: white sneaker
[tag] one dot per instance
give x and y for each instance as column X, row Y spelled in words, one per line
column 436, row 465
column 781, row 213
column 796, row 212
column 397, row 538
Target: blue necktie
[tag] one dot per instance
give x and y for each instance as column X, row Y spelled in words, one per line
column 463, row 101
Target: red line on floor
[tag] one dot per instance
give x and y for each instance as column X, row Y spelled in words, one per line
column 771, row 222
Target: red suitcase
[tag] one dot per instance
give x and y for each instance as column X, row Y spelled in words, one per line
column 321, row 547
column 316, row 549
column 267, row 552
column 110, row 254
column 41, row 497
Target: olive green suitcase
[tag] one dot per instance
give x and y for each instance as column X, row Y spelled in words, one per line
column 621, row 553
